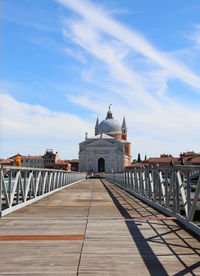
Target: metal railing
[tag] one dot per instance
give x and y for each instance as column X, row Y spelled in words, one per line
column 22, row 186
column 174, row 190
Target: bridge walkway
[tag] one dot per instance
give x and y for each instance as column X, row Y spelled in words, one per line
column 95, row 228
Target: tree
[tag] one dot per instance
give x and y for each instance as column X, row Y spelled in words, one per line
column 139, row 158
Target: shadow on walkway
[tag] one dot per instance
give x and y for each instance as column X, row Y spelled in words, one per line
column 151, row 261
column 161, row 237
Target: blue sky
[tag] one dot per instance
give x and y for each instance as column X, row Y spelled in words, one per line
column 64, row 61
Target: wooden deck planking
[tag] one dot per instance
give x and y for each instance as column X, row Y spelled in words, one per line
column 112, row 246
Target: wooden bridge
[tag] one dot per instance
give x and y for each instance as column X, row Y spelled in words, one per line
column 95, row 228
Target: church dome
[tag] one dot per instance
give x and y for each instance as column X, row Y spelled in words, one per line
column 109, row 125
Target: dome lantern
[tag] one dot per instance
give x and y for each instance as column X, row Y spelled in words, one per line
column 109, row 113
column 109, row 125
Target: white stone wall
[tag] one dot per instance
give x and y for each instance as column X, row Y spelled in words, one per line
column 111, row 152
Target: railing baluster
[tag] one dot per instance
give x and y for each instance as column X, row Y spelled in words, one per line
column 196, row 196
column 188, row 190
column 166, row 187
column 31, row 184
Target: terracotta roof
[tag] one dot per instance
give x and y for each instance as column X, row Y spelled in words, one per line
column 188, row 153
column 27, row 156
column 137, row 165
column 13, row 156
column 195, row 160
column 161, row 159
column 62, row 162
column 6, row 161
column 74, row 160
column 31, row 157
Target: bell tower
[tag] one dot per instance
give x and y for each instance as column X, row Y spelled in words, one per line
column 96, row 127
column 124, row 130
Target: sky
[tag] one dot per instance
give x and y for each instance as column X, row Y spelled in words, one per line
column 64, row 61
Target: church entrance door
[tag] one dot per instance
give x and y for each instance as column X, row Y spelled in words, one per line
column 101, row 165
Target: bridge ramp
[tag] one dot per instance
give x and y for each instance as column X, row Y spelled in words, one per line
column 95, row 228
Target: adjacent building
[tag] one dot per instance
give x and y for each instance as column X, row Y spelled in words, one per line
column 49, row 160
column 31, row 161
column 7, row 162
column 74, row 164
column 185, row 158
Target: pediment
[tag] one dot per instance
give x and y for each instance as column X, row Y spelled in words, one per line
column 101, row 143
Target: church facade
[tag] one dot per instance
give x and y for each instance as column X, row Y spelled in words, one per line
column 108, row 150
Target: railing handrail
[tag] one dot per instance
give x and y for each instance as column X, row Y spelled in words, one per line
column 34, row 169
column 169, row 167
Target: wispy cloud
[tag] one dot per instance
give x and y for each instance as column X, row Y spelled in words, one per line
column 75, row 54
column 99, row 19
column 28, row 127
column 20, row 15
column 31, row 24
column 195, row 36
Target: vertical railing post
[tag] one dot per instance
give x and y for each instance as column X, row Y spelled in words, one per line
column 25, row 179
column 146, row 182
column 139, row 180
column 127, row 180
column 177, row 196
column 143, row 181
column 149, row 183
column 136, row 180
column 35, row 181
column 131, row 175
column 166, row 187
column 9, row 184
column 159, row 187
column 188, row 189
column 17, row 195
column 195, row 200
column 155, row 183
column 65, row 182
column 124, row 178
column 174, row 191
column 1, row 179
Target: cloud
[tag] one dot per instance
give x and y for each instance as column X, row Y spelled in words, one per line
column 28, row 17
column 98, row 18
column 157, row 112
column 195, row 36
column 75, row 54
column 31, row 127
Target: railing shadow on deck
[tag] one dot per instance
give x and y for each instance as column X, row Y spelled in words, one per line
column 150, row 259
